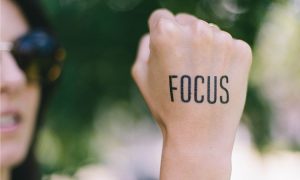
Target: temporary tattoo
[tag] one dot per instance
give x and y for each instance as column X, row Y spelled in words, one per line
column 215, row 88
column 171, row 86
column 209, row 90
column 183, row 97
column 226, row 91
column 196, row 89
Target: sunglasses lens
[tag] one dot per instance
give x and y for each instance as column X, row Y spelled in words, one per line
column 35, row 53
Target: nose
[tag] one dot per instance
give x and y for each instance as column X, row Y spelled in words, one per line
column 12, row 77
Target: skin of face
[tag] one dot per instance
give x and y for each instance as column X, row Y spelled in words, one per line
column 19, row 99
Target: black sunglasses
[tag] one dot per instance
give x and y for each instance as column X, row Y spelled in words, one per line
column 38, row 54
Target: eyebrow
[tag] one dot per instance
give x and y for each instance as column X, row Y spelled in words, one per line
column 5, row 46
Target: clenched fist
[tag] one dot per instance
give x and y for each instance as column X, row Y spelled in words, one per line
column 193, row 77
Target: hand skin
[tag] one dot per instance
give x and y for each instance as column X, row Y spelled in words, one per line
column 197, row 137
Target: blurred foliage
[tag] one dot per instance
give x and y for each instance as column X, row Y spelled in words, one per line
column 101, row 38
column 258, row 118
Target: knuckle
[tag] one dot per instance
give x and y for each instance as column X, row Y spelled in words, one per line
column 201, row 29
column 244, row 49
column 166, row 26
column 204, row 23
column 160, row 12
column 166, row 35
column 180, row 15
column 157, row 14
column 184, row 17
column 224, row 38
column 226, row 42
column 196, row 26
column 200, row 25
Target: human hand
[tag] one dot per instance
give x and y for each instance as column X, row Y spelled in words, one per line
column 193, row 77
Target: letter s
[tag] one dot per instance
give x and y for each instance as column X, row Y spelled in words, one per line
column 225, row 89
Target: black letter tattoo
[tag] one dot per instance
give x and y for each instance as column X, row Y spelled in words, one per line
column 199, row 95
column 215, row 90
column 226, row 91
column 182, row 88
column 172, row 87
column 196, row 89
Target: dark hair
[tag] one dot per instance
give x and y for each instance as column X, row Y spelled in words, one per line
column 29, row 168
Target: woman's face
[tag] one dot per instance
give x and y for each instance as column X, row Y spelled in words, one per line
column 19, row 99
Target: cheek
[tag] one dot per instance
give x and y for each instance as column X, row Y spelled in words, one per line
column 14, row 149
column 29, row 105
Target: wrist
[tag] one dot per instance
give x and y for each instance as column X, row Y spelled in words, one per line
column 180, row 162
column 194, row 162
column 197, row 149
column 194, row 140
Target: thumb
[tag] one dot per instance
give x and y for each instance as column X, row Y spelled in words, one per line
column 139, row 67
column 144, row 51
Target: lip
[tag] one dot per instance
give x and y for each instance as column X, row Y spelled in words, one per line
column 11, row 128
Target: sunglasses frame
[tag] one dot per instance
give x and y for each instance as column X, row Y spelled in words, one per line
column 56, row 58
column 6, row 46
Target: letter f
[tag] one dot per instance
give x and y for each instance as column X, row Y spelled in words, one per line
column 172, row 88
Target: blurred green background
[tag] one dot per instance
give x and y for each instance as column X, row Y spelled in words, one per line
column 101, row 38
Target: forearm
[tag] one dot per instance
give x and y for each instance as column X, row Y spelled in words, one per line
column 196, row 115
column 181, row 161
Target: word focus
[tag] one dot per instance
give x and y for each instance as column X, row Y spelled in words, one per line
column 200, row 88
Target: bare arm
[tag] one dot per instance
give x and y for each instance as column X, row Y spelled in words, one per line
column 193, row 77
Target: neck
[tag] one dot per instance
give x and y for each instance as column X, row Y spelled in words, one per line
column 5, row 174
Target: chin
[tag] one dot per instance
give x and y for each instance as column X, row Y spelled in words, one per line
column 12, row 154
